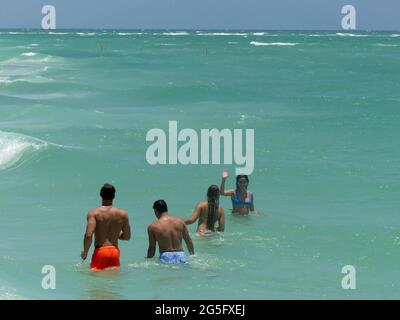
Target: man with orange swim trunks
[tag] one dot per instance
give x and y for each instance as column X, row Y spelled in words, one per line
column 109, row 224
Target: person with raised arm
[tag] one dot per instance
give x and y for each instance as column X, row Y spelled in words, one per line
column 242, row 199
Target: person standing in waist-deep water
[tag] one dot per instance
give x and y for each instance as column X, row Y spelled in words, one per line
column 168, row 232
column 208, row 213
column 109, row 224
column 242, row 199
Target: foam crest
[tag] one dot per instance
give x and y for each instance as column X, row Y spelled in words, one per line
column 350, row 35
column 255, row 43
column 13, row 146
column 222, row 34
column 175, row 33
column 84, row 34
column 28, row 54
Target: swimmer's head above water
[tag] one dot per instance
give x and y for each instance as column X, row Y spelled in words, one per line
column 213, row 194
column 159, row 207
column 242, row 182
column 107, row 192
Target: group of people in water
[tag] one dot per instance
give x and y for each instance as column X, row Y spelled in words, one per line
column 109, row 224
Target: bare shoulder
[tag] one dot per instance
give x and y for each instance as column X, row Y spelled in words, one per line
column 121, row 212
column 178, row 220
column 151, row 227
column 92, row 213
column 202, row 205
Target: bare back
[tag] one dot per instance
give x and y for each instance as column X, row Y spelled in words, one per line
column 202, row 224
column 110, row 221
column 169, row 231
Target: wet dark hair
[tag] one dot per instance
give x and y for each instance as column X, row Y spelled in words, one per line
column 212, row 197
column 107, row 192
column 160, row 206
column 238, row 177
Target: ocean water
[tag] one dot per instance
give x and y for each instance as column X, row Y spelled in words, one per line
column 75, row 107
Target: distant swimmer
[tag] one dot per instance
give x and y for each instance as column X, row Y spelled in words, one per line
column 100, row 46
column 168, row 231
column 109, row 224
column 208, row 213
column 242, row 199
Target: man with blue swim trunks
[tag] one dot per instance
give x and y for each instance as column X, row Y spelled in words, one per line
column 168, row 232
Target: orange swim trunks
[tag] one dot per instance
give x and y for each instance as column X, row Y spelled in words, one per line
column 105, row 257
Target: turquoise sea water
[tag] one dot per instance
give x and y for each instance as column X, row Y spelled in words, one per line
column 75, row 107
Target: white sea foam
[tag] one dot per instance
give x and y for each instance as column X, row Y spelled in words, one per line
column 59, row 33
column 350, row 35
column 27, row 68
column 395, row 35
column 387, row 45
column 221, row 34
column 258, row 33
column 83, row 34
column 29, row 54
column 9, row 294
column 144, row 264
column 17, row 62
column 129, row 33
column 180, row 33
column 4, row 79
column 36, row 79
column 44, row 96
column 255, row 43
column 13, row 146
column 12, row 68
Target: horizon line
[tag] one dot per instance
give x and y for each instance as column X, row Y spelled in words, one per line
column 196, row 29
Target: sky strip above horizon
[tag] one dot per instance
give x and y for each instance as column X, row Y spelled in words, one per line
column 205, row 14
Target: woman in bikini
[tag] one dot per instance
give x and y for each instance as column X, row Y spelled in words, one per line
column 242, row 199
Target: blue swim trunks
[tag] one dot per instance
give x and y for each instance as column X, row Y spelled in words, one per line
column 173, row 257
